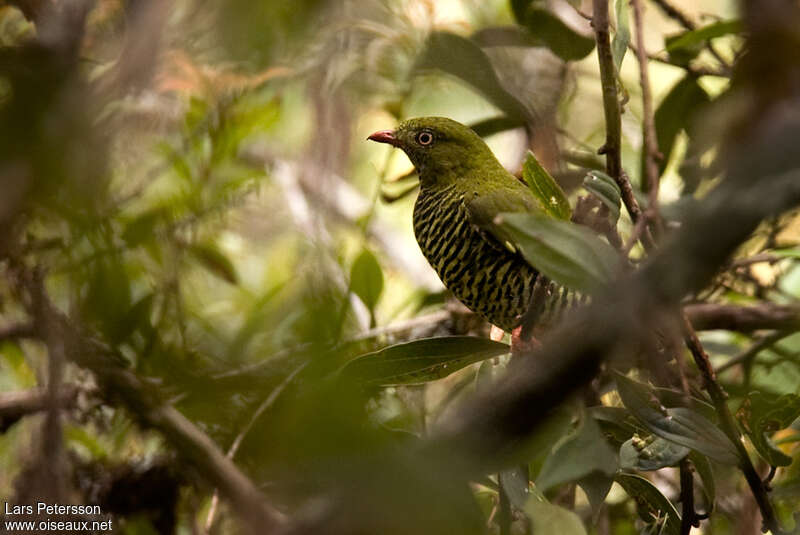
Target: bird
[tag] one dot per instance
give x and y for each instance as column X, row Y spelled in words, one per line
column 463, row 188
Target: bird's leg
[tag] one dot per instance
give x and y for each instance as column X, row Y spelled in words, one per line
column 521, row 346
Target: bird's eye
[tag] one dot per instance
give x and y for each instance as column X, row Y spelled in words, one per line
column 424, row 138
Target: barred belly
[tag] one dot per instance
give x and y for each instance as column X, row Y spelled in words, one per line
column 485, row 276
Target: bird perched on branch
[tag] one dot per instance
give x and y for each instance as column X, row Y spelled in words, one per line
column 463, row 188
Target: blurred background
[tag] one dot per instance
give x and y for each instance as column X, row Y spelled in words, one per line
column 192, row 218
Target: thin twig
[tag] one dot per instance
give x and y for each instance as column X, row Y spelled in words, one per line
column 729, row 427
column 17, row 331
column 688, row 516
column 651, row 153
column 746, row 356
column 266, row 404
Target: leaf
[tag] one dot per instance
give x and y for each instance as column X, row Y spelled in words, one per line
column 674, row 114
column 762, row 415
column 494, row 125
column 215, row 261
column 422, row 360
column 569, row 254
column 619, row 45
column 691, row 39
column 505, row 36
column 366, row 279
column 703, row 468
column 464, row 59
column 606, row 189
column 562, row 39
column 547, row 518
column 650, row 453
column 596, row 486
column 545, row 188
column 652, row 506
column 569, row 462
column 515, row 484
column 680, row 425
column 137, row 317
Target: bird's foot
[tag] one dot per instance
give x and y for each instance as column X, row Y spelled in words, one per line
column 520, row 346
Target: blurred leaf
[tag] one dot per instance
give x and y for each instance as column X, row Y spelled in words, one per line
column 680, row 425
column 545, row 188
column 547, row 518
column 569, row 254
column 619, row 45
column 652, row 506
column 650, row 453
column 463, row 59
column 564, row 41
column 691, row 39
column 703, row 468
column 421, row 361
column 761, row 415
column 214, row 260
column 606, row 189
column 366, row 279
column 108, row 298
column 505, row 36
column 137, row 317
column 674, row 114
column 495, row 125
column 569, row 462
column 142, row 227
column 596, row 486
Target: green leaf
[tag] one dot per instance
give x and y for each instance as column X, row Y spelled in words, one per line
column 680, row 425
column 214, row 260
column 494, row 125
column 675, row 114
column 505, row 36
column 569, row 462
column 563, row 40
column 569, row 254
column 596, row 486
column 545, row 188
column 690, row 40
column 421, row 361
column 761, row 415
column 619, row 45
column 650, row 453
column 606, row 189
column 703, row 468
column 547, row 518
column 464, row 59
column 137, row 317
column 652, row 506
column 515, row 484
column 366, row 279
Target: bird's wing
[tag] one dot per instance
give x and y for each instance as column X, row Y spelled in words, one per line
column 482, row 209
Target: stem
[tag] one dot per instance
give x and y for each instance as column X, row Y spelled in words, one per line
column 688, row 516
column 729, row 427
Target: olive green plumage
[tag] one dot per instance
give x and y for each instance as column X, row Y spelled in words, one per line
column 462, row 189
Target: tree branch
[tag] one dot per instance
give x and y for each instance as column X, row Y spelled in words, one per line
column 748, row 318
column 16, row 405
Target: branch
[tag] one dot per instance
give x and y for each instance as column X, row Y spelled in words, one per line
column 711, row 316
column 751, row 352
column 16, row 405
column 17, row 331
column 611, row 108
column 688, row 515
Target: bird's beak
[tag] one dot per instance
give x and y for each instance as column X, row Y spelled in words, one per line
column 385, row 136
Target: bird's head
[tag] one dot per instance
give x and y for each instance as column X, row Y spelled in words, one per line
column 440, row 148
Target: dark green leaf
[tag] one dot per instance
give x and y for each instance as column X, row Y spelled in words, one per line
column 652, row 506
column 546, row 190
column 547, row 518
column 505, row 36
column 137, row 317
column 674, row 114
column 650, row 453
column 569, row 462
column 596, row 486
column 569, row 254
column 463, row 59
column 619, row 45
column 691, row 39
column 762, row 415
column 563, row 40
column 214, row 260
column 366, row 279
column 680, row 425
column 606, row 189
column 421, row 361
column 494, row 125
column 703, row 468
column 515, row 484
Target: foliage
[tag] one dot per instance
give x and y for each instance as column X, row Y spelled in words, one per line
column 213, row 312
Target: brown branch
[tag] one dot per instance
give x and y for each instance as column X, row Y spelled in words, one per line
column 651, row 152
column 17, row 331
column 613, row 115
column 16, row 405
column 688, row 515
column 748, row 318
column 729, row 427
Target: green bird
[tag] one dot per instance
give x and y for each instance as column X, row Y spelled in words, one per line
column 462, row 189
